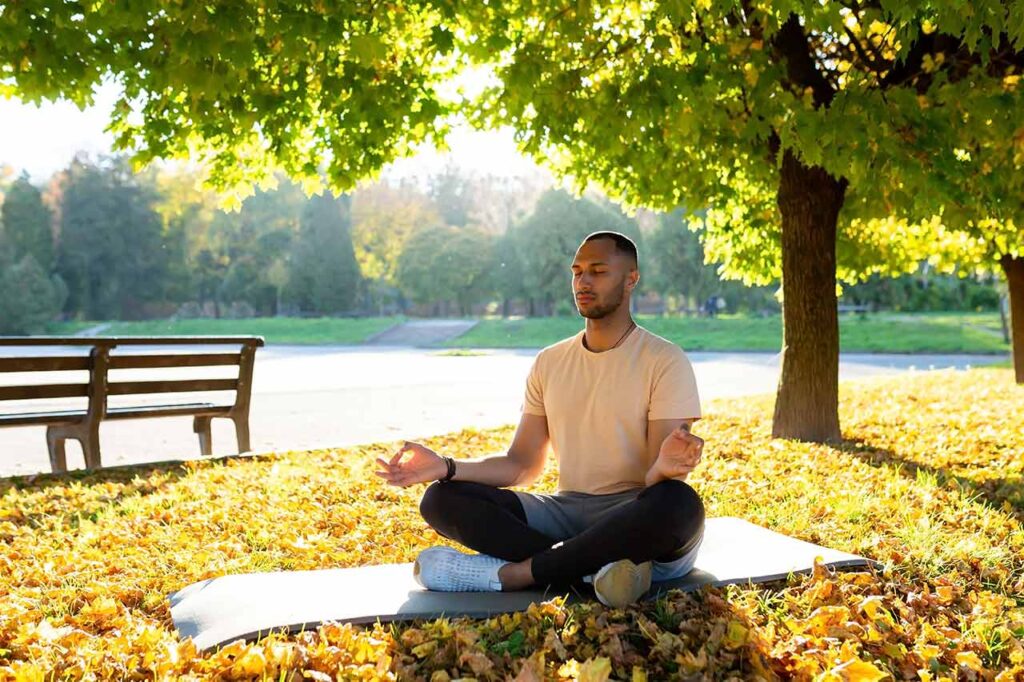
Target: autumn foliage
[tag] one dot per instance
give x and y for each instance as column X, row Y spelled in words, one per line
column 927, row 482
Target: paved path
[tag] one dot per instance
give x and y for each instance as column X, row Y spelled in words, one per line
column 309, row 397
column 422, row 333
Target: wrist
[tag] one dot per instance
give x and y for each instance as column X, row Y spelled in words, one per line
column 448, row 472
column 654, row 475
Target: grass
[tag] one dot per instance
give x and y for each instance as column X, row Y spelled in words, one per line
column 928, row 482
column 875, row 333
column 878, row 333
column 281, row 330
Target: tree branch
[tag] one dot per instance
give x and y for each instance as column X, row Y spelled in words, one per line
column 791, row 47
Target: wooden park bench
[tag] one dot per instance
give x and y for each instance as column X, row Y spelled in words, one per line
column 82, row 424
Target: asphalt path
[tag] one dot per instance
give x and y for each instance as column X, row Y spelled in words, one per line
column 307, row 397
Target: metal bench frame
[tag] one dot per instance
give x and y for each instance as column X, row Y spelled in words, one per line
column 83, row 425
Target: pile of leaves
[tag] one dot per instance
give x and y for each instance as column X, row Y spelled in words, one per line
column 927, row 482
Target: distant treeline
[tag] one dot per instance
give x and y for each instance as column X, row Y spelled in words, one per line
column 98, row 242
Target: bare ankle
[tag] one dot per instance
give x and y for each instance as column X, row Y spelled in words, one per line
column 515, row 575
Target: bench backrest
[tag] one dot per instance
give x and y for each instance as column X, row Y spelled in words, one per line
column 99, row 362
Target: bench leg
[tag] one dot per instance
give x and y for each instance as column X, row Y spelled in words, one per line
column 242, row 433
column 201, row 425
column 55, row 445
column 90, row 441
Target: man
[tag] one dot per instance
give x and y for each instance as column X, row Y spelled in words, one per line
column 615, row 403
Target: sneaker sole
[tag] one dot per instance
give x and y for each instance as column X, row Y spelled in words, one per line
column 621, row 583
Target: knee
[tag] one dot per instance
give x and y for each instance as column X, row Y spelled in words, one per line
column 439, row 500
column 678, row 504
column 432, row 503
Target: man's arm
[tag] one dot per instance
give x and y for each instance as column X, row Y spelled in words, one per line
column 657, row 431
column 522, row 465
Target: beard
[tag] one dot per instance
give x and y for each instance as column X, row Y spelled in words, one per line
column 598, row 310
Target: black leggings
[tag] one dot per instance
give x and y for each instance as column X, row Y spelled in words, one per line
column 664, row 522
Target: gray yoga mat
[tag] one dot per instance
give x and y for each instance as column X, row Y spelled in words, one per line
column 221, row 610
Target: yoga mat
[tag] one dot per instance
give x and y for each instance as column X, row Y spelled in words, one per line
column 221, row 610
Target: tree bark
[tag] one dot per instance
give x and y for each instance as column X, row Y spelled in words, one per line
column 1014, row 269
column 807, row 401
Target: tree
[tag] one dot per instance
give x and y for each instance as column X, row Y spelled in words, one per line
column 258, row 240
column 245, row 88
column 324, row 276
column 452, row 193
column 383, row 219
column 31, row 298
column 724, row 105
column 677, row 261
column 986, row 245
column 810, row 132
column 441, row 264
column 27, row 222
column 111, row 250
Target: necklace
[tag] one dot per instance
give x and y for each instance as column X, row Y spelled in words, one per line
column 631, row 325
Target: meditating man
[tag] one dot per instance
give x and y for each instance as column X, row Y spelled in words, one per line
column 615, row 404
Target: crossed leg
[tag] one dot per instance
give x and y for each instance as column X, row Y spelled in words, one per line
column 661, row 523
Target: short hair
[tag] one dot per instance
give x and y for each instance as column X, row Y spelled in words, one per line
column 623, row 244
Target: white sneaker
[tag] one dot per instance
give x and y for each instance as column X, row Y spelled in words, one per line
column 443, row 569
column 621, row 583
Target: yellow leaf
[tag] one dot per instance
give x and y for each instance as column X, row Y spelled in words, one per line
column 735, row 635
column 532, row 670
column 425, row 649
column 856, row 670
column 595, row 670
column 971, row 660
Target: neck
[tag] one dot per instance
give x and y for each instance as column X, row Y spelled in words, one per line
column 605, row 333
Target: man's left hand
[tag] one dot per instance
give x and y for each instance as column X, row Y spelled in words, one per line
column 679, row 454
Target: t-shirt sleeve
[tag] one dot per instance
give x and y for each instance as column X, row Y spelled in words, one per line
column 533, row 401
column 674, row 392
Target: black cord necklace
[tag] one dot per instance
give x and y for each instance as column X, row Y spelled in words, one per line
column 631, row 325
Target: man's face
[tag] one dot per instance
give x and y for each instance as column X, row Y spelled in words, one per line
column 600, row 273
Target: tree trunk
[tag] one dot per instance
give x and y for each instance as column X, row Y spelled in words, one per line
column 807, row 402
column 1004, row 310
column 1014, row 269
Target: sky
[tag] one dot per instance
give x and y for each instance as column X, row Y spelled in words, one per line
column 43, row 139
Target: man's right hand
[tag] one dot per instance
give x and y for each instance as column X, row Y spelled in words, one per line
column 423, row 466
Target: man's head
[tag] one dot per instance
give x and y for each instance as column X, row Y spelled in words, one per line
column 605, row 269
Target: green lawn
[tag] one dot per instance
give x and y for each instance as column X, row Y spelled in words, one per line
column 876, row 333
column 284, row 330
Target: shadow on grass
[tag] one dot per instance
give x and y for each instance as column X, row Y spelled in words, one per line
column 138, row 480
column 995, row 491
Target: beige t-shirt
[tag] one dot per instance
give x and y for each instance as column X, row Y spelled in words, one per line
column 598, row 405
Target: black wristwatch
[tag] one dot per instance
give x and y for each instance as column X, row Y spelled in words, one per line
column 451, row 469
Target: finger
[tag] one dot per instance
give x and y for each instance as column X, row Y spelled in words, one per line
column 396, row 458
column 385, row 465
column 398, row 455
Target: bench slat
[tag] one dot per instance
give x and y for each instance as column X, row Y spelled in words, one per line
column 176, row 386
column 166, row 410
column 100, row 341
column 38, row 391
column 54, row 363
column 174, row 360
column 66, row 416
column 32, row 418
